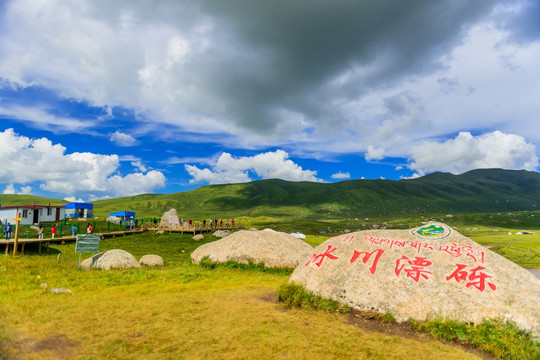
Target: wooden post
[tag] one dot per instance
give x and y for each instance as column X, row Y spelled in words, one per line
column 16, row 240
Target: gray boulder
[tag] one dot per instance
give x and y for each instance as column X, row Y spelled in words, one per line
column 425, row 273
column 111, row 259
column 151, row 260
column 274, row 249
column 198, row 237
column 221, row 233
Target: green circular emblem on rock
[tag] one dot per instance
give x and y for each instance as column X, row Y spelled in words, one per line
column 432, row 231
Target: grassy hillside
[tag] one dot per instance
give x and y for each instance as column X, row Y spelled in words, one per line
column 486, row 190
column 477, row 191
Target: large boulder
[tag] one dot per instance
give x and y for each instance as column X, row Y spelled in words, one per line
column 111, row 259
column 151, row 260
column 274, row 249
column 170, row 219
column 425, row 273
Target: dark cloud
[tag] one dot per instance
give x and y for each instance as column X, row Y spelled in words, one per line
column 306, row 44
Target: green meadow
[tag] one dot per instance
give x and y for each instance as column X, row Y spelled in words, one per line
column 188, row 311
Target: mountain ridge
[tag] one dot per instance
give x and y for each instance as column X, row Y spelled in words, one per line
column 481, row 190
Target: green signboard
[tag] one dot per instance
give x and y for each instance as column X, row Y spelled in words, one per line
column 87, row 243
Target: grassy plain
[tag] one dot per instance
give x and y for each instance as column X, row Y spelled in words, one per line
column 180, row 311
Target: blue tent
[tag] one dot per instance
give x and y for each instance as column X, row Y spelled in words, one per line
column 125, row 215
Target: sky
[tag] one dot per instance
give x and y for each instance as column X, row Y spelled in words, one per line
column 104, row 99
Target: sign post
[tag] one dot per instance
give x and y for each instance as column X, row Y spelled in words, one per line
column 16, row 239
column 87, row 243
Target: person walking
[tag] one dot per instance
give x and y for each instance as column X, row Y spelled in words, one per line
column 53, row 231
column 40, row 232
column 73, row 230
column 7, row 231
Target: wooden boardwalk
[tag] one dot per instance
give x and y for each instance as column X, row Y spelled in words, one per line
column 61, row 239
column 195, row 229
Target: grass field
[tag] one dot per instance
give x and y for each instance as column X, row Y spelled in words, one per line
column 175, row 312
column 185, row 311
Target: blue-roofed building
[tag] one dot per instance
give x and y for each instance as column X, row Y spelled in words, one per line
column 79, row 210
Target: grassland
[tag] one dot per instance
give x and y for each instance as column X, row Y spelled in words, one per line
column 180, row 311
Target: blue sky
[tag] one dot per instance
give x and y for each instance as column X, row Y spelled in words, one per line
column 103, row 99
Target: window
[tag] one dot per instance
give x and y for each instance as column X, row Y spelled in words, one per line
column 49, row 211
column 25, row 213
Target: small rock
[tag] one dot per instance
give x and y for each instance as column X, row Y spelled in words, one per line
column 60, row 291
column 198, row 237
column 43, row 286
column 151, row 260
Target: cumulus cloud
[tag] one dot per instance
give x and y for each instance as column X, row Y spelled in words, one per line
column 28, row 160
column 10, row 189
column 139, row 165
column 269, row 165
column 122, row 139
column 374, row 153
column 341, row 175
column 466, row 152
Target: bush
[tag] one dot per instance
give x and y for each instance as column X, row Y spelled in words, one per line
column 250, row 266
column 503, row 339
column 295, row 295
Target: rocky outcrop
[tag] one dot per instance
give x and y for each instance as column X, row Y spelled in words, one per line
column 151, row 260
column 424, row 273
column 274, row 249
column 170, row 219
column 111, row 259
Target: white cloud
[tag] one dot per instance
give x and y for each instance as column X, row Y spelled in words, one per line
column 341, row 175
column 374, row 153
column 269, row 165
column 139, row 165
column 467, row 152
column 10, row 189
column 28, row 160
column 73, row 199
column 122, row 139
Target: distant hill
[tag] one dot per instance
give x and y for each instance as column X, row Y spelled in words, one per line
column 484, row 190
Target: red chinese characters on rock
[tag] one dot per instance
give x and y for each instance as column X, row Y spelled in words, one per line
column 415, row 268
column 476, row 277
column 319, row 258
column 366, row 256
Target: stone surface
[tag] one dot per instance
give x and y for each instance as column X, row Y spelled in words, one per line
column 274, row 249
column 111, row 259
column 60, row 291
column 170, row 219
column 425, row 273
column 114, row 219
column 221, row 233
column 151, row 260
column 198, row 237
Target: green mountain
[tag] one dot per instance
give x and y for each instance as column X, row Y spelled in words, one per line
column 484, row 190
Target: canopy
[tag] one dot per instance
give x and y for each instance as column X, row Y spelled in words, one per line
column 124, row 214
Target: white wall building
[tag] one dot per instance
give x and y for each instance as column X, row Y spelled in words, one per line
column 32, row 214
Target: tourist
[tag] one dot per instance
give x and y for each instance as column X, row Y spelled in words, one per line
column 73, row 230
column 40, row 232
column 7, row 231
column 53, row 231
column 190, row 222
